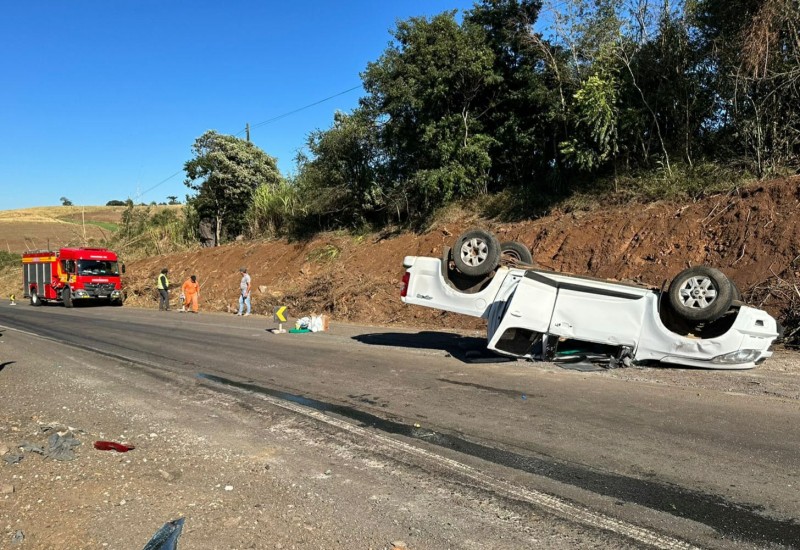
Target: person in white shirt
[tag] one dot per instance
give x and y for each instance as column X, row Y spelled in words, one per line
column 244, row 295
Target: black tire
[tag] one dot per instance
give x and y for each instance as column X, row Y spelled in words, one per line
column 66, row 297
column 476, row 253
column 701, row 294
column 516, row 252
column 35, row 300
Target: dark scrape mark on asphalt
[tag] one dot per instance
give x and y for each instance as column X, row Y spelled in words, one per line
column 363, row 398
column 731, row 520
column 511, row 393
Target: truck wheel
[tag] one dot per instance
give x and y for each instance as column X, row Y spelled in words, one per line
column 476, row 253
column 700, row 294
column 515, row 252
column 35, row 301
column 66, row 297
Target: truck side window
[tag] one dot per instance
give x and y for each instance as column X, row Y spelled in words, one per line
column 68, row 266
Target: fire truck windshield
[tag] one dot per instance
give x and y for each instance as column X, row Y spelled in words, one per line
column 98, row 267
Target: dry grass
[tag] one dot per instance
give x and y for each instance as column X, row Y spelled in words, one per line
column 60, row 226
column 111, row 214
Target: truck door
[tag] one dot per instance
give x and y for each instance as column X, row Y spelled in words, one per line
column 524, row 316
column 68, row 270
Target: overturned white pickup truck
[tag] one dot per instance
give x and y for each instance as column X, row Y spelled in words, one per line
column 700, row 321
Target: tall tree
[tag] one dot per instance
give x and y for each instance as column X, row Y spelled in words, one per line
column 429, row 93
column 225, row 171
column 339, row 178
column 754, row 50
column 525, row 105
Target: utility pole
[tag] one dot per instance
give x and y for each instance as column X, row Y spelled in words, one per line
column 247, row 128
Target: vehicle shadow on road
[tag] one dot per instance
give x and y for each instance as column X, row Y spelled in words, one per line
column 468, row 349
column 4, row 365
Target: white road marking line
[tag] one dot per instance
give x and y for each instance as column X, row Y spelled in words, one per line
column 552, row 503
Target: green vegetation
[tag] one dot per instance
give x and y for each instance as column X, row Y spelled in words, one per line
column 324, row 254
column 147, row 230
column 615, row 101
column 9, row 259
column 108, row 226
column 225, row 172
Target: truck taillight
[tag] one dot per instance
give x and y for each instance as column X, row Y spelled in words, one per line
column 406, row 277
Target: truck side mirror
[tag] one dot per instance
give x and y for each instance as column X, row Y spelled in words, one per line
column 123, row 269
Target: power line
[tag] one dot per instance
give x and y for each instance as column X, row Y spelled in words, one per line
column 257, row 125
column 165, row 180
column 284, row 115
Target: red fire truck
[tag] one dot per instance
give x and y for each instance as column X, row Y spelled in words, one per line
column 71, row 274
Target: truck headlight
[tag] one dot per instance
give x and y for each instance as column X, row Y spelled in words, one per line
column 80, row 293
column 735, row 357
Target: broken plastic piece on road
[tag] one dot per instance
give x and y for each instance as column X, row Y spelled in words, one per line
column 166, row 538
column 113, row 446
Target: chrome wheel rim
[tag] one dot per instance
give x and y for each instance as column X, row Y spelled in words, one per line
column 698, row 293
column 474, row 252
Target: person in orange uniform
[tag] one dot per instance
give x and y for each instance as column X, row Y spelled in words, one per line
column 191, row 291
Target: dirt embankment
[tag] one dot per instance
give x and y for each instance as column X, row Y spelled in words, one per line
column 753, row 235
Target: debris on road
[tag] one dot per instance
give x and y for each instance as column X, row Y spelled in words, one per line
column 13, row 459
column 59, row 447
column 113, row 446
column 166, row 538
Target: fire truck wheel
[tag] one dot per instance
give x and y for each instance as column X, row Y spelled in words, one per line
column 66, row 297
column 35, row 301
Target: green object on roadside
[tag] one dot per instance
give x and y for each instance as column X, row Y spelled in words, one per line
column 298, row 330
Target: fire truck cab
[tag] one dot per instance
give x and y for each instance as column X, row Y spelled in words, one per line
column 71, row 274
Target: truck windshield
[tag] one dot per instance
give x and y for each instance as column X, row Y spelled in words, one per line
column 97, row 267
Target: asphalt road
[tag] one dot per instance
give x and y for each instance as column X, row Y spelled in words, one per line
column 710, row 467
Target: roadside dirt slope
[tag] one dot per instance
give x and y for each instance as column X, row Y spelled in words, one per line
column 752, row 235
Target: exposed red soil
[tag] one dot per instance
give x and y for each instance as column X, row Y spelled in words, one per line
column 752, row 235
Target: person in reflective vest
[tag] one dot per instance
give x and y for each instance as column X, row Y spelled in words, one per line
column 162, row 284
column 191, row 292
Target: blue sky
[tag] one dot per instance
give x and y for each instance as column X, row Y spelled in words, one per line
column 103, row 100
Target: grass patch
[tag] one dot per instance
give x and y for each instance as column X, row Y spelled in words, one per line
column 324, row 254
column 9, row 259
column 108, row 226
